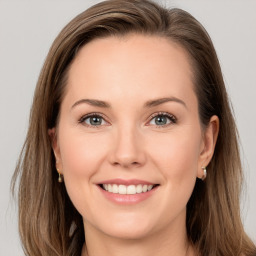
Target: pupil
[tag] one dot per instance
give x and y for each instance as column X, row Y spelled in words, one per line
column 161, row 120
column 95, row 120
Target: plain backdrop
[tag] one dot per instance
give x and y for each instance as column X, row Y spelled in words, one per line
column 27, row 29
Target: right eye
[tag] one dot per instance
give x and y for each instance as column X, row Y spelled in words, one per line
column 92, row 120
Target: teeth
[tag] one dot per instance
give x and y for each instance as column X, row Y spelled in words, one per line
column 145, row 188
column 109, row 188
column 131, row 190
column 150, row 187
column 138, row 189
column 115, row 189
column 127, row 190
column 121, row 189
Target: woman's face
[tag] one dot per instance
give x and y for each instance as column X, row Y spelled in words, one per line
column 129, row 119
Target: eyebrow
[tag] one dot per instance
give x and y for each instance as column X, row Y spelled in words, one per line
column 156, row 102
column 93, row 102
column 148, row 104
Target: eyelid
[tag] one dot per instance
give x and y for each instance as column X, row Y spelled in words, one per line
column 171, row 116
column 161, row 113
column 82, row 118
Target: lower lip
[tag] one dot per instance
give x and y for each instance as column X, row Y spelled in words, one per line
column 128, row 199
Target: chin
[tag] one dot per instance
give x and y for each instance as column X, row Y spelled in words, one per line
column 121, row 227
column 128, row 234
column 135, row 229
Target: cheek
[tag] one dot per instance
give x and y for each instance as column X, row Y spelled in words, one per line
column 81, row 153
column 176, row 157
column 176, row 154
column 81, row 157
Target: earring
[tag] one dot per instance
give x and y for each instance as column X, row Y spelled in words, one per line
column 205, row 173
column 60, row 179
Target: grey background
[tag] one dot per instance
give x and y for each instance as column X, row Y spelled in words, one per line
column 27, row 29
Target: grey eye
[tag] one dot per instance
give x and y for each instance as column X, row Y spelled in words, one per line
column 162, row 119
column 94, row 120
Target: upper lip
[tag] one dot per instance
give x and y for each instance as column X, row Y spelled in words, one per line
column 126, row 182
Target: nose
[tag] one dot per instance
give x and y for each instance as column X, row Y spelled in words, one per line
column 128, row 148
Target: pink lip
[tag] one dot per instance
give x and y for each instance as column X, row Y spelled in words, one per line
column 126, row 182
column 126, row 199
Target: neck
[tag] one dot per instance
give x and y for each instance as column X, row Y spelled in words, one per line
column 161, row 243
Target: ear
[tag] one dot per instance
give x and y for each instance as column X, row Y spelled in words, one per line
column 209, row 140
column 55, row 146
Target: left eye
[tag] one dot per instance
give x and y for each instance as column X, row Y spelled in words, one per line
column 162, row 120
column 94, row 120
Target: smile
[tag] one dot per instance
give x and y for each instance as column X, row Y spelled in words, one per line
column 127, row 190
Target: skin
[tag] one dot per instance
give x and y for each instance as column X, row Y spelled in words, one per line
column 126, row 72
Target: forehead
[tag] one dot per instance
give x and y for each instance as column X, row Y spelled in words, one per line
column 133, row 65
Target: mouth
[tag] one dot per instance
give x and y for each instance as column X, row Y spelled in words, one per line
column 122, row 189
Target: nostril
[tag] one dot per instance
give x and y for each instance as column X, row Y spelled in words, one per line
column 126, row 163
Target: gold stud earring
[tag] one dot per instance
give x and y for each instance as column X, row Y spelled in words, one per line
column 205, row 173
column 60, row 179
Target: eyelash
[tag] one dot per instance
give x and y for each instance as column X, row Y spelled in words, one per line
column 172, row 118
column 83, row 118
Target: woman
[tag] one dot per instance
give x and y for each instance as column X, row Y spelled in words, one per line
column 132, row 147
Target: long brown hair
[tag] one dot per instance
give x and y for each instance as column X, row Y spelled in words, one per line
column 49, row 224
